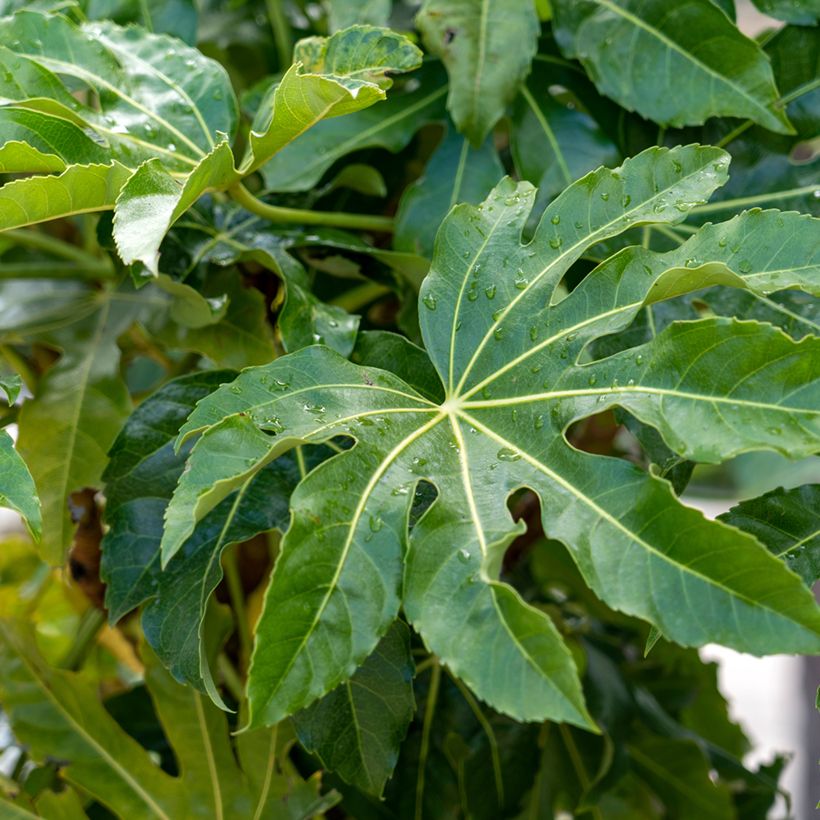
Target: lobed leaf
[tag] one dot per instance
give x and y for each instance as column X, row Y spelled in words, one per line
column 509, row 347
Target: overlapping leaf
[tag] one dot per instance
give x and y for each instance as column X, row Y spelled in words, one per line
column 139, row 481
column 786, row 521
column 487, row 46
column 509, row 359
column 643, row 53
column 357, row 729
column 58, row 715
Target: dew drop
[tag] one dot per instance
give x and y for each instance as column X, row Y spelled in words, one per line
column 538, row 422
column 639, row 359
column 533, row 333
column 508, row 454
column 556, row 220
column 626, row 200
column 463, row 556
column 604, row 196
column 745, row 266
column 375, row 523
column 429, row 301
column 498, row 334
column 555, row 242
column 490, row 291
column 593, row 380
column 521, row 282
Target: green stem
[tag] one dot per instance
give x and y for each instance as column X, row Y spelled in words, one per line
column 735, row 133
column 489, row 733
column 758, row 199
column 356, row 298
column 231, row 677
column 44, row 242
column 332, row 219
column 91, row 622
column 20, row 367
column 429, row 711
column 237, row 596
column 54, row 270
column 281, row 32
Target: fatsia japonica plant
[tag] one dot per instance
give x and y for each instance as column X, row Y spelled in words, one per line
column 358, row 359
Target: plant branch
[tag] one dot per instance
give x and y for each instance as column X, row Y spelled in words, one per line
column 357, row 298
column 281, row 32
column 429, row 711
column 43, row 242
column 330, row 219
column 91, row 622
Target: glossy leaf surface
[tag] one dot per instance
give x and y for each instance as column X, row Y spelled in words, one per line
column 509, row 359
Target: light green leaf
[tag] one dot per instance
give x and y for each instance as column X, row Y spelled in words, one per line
column 152, row 200
column 79, row 189
column 487, row 47
column 504, row 339
column 455, row 173
column 52, row 136
column 59, row 715
column 340, row 74
column 10, row 385
column 17, row 490
column 785, row 521
column 356, row 730
column 390, row 125
column 158, row 97
column 67, row 428
column 642, row 54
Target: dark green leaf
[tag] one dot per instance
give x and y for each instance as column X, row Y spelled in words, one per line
column 786, row 521
column 455, row 173
column 357, row 728
column 17, row 490
column 802, row 12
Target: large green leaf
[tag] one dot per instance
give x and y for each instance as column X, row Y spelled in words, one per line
column 455, row 173
column 17, row 490
column 643, row 53
column 157, row 97
column 509, row 361
column 487, row 47
column 58, row 715
column 786, row 521
column 175, row 17
column 391, row 125
column 356, row 730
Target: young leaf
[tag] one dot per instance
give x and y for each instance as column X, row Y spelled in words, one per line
column 79, row 189
column 487, row 47
column 504, row 350
column 330, row 76
column 786, row 522
column 642, row 54
column 356, row 730
column 390, row 125
column 455, row 173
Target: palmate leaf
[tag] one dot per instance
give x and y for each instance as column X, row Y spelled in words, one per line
column 58, row 715
column 786, row 522
column 510, row 362
column 642, row 53
column 487, row 46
